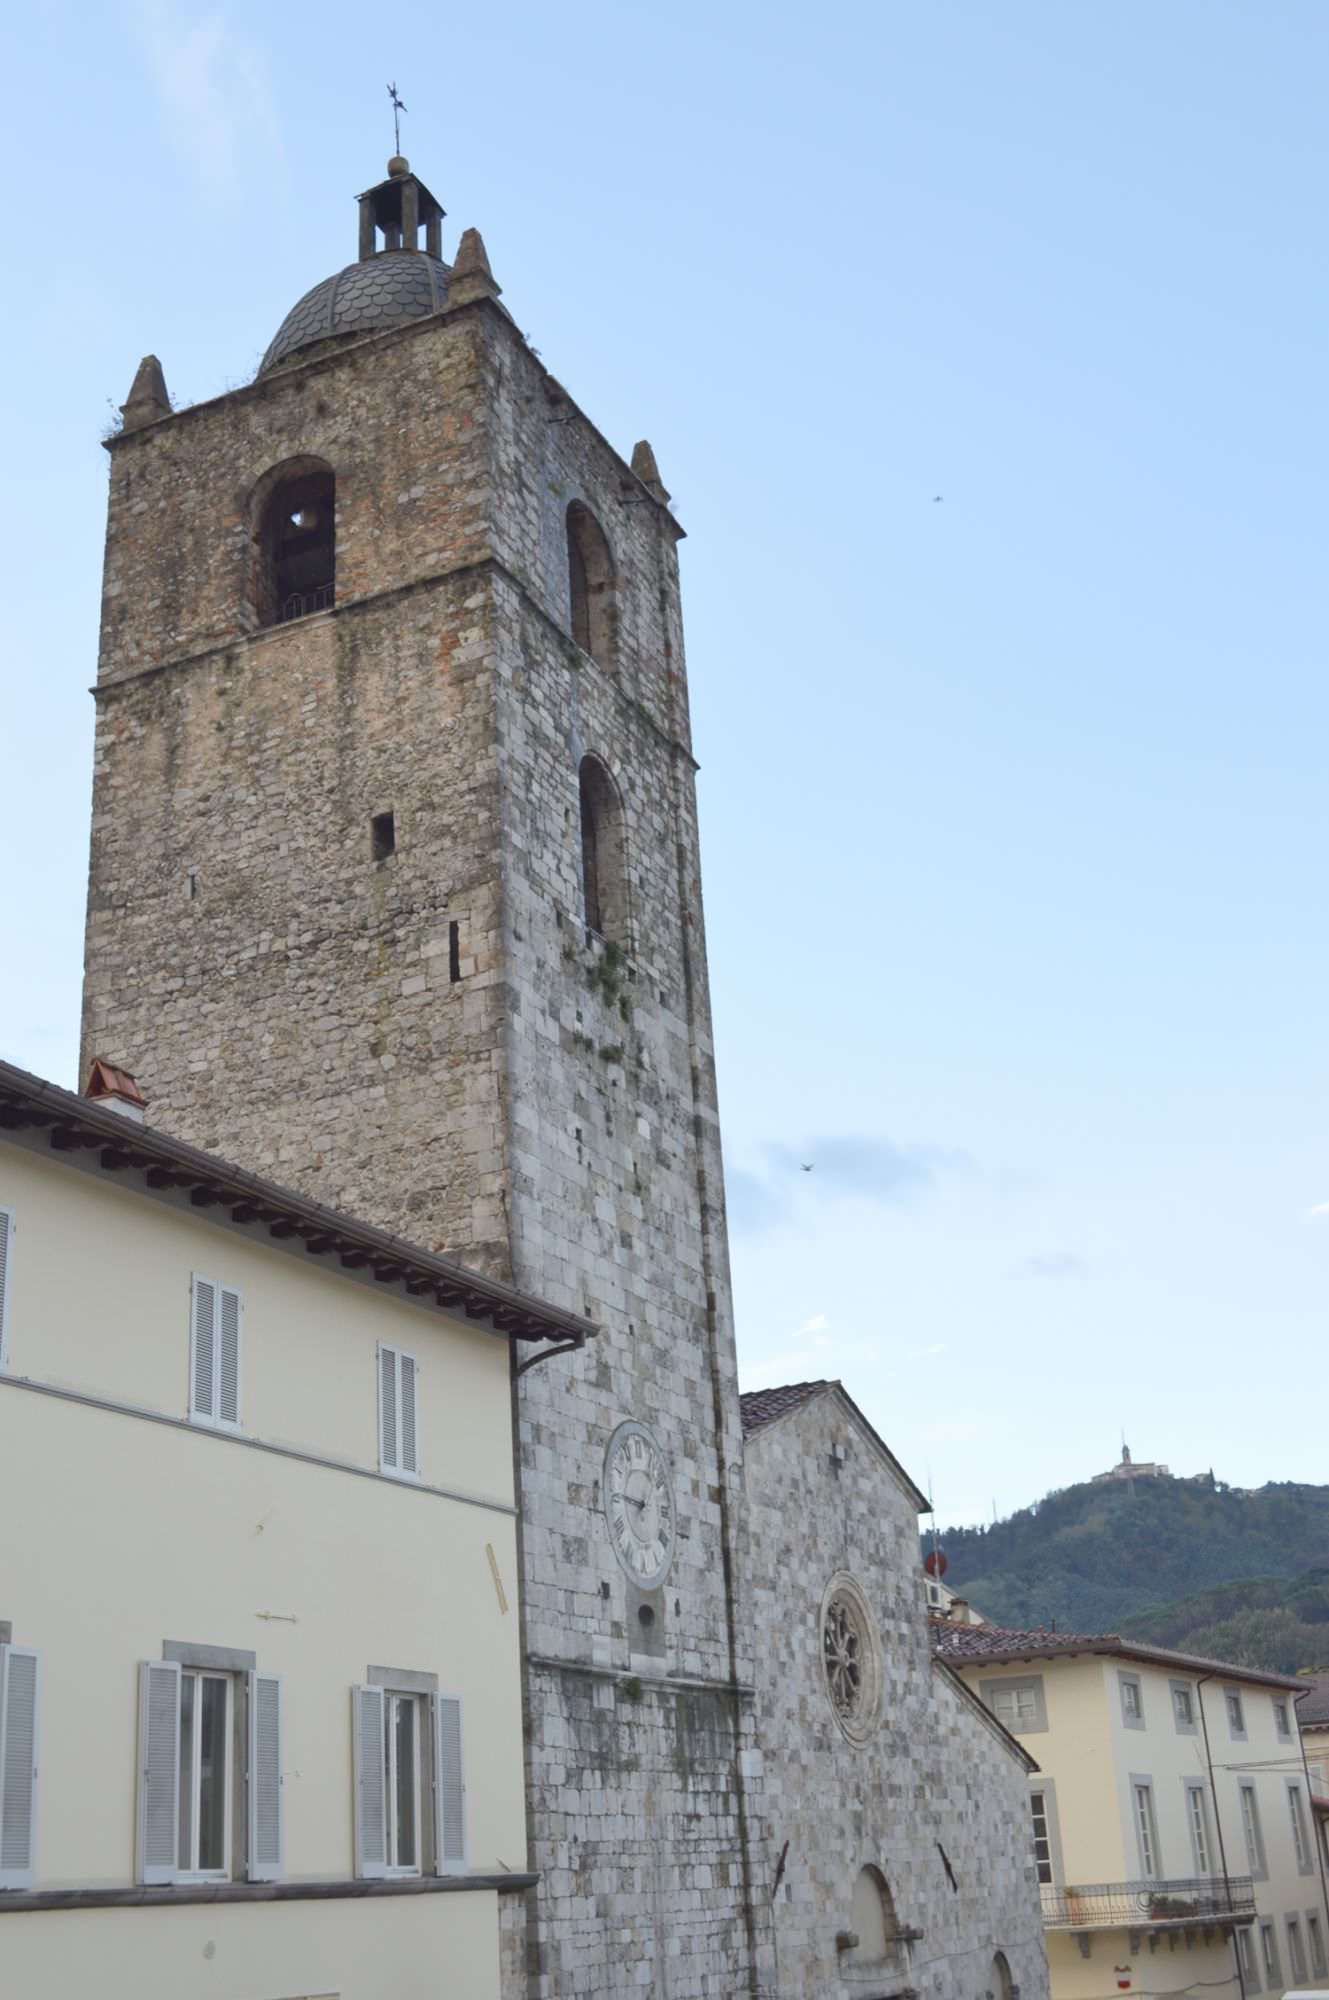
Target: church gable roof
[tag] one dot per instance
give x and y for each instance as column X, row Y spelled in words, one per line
column 760, row 1408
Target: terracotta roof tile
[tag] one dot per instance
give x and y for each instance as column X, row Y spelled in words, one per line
column 1313, row 1708
column 962, row 1645
column 763, row 1406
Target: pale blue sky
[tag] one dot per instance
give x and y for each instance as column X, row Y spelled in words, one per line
column 1014, row 803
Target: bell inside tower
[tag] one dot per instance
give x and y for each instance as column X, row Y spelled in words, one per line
column 297, row 546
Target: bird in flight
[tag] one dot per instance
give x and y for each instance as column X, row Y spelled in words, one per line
column 807, row 1165
column 936, row 499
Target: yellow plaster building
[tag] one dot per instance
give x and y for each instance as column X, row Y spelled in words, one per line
column 260, row 1701
column 1172, row 1819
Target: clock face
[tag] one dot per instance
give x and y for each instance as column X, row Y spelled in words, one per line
column 639, row 1504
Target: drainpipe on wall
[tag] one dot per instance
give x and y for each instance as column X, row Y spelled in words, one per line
column 1218, row 1823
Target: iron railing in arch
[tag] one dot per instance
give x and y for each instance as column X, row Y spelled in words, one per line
column 1133, row 1905
column 301, row 603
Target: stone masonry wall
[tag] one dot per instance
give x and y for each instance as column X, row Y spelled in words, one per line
column 538, row 1106
column 934, row 1774
column 617, row 1207
column 285, row 1000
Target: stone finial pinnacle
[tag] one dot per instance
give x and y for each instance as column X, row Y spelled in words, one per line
column 646, row 469
column 147, row 400
column 471, row 276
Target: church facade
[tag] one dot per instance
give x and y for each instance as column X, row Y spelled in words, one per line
column 395, row 896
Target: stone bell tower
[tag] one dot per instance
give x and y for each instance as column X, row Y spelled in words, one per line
column 395, row 896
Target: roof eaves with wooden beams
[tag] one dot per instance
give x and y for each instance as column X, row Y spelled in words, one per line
column 77, row 1125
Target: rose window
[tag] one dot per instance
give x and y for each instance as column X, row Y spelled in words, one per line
column 851, row 1662
column 842, row 1651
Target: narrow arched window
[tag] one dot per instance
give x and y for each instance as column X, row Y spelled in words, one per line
column 603, row 854
column 295, row 542
column 1001, row 1986
column 590, row 585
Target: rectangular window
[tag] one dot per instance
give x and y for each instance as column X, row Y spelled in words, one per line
column 1197, row 1814
column 410, row 1808
column 1146, row 1830
column 1132, row 1700
column 1248, row 1972
column 382, row 836
column 1042, row 1843
column 189, row 1773
column 401, row 1782
column 1250, row 1827
column 1296, row 1952
column 203, row 1847
column 214, row 1356
column 1236, row 1720
column 6, row 1260
column 1316, row 1938
column 1183, row 1707
column 1300, row 1838
column 20, row 1703
column 1282, row 1720
column 1273, row 1975
column 398, row 1439
column 1014, row 1705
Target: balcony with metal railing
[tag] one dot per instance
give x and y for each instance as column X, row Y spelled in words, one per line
column 1105, row 1906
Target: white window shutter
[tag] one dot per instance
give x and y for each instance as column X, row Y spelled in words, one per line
column 266, row 1779
column 158, row 1770
column 20, row 1691
column 203, row 1351
column 228, row 1357
column 6, row 1259
column 388, row 1433
column 449, row 1788
column 370, row 1782
column 410, row 1449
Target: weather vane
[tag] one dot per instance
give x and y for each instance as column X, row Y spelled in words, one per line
column 397, row 108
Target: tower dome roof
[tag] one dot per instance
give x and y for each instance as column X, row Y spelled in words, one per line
column 380, row 291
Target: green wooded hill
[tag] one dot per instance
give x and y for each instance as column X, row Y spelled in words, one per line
column 1265, row 1622
column 1098, row 1558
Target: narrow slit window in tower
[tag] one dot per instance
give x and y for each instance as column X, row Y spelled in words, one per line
column 383, row 836
column 590, row 585
column 603, row 859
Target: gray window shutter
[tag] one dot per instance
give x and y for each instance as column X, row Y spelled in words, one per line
column 228, row 1358
column 388, row 1432
column 371, row 1806
column 20, row 1690
column 449, row 1788
column 410, row 1451
column 266, row 1779
column 6, row 1259
column 398, row 1404
column 158, row 1770
column 203, row 1351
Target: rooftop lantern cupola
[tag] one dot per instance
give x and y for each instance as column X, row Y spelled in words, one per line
column 397, row 209
column 380, row 290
